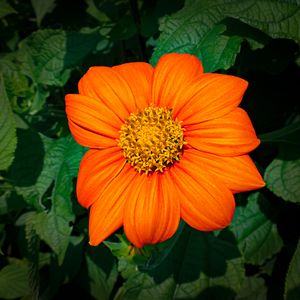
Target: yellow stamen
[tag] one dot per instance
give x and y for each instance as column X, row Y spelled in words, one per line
column 151, row 139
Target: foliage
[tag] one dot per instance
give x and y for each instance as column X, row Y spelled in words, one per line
column 43, row 230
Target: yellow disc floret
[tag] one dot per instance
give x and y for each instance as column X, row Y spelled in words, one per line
column 151, row 139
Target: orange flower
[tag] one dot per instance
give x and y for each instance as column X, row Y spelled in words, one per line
column 166, row 143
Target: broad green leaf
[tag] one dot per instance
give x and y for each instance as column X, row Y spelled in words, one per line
column 283, row 179
column 60, row 153
column 42, row 57
column 54, row 158
column 256, row 235
column 218, row 51
column 41, row 8
column 8, row 139
column 55, row 231
column 102, row 272
column 57, row 153
column 20, row 123
column 14, row 281
column 78, row 45
column 54, row 227
column 63, row 161
column 25, row 95
column 5, row 9
column 47, row 55
column 280, row 18
column 184, row 31
column 20, row 92
column 292, row 282
column 253, row 288
column 200, row 265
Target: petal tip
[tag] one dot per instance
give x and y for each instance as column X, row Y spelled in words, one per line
column 96, row 239
column 260, row 182
column 91, row 243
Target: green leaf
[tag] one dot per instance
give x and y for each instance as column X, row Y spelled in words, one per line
column 253, row 288
column 14, row 281
column 8, row 139
column 42, row 57
column 193, row 30
column 47, row 55
column 79, row 45
column 184, row 31
column 256, row 235
column 58, row 153
column 283, row 178
column 55, row 231
column 280, row 18
column 102, row 272
column 19, row 90
column 292, row 282
column 53, row 160
column 41, row 8
column 5, row 9
column 200, row 265
column 62, row 161
column 218, row 51
column 54, row 227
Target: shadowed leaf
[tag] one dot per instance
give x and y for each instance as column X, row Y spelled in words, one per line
column 8, row 139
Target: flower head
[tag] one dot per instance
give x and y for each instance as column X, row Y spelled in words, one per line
column 165, row 143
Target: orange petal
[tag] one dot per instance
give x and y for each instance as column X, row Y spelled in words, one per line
column 230, row 135
column 173, row 73
column 206, row 203
column 152, row 213
column 110, row 88
column 106, row 214
column 212, row 96
column 97, row 169
column 238, row 173
column 138, row 76
column 91, row 123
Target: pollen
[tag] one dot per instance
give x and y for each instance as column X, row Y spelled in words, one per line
column 151, row 139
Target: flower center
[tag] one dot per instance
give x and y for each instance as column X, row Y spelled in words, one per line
column 151, row 139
